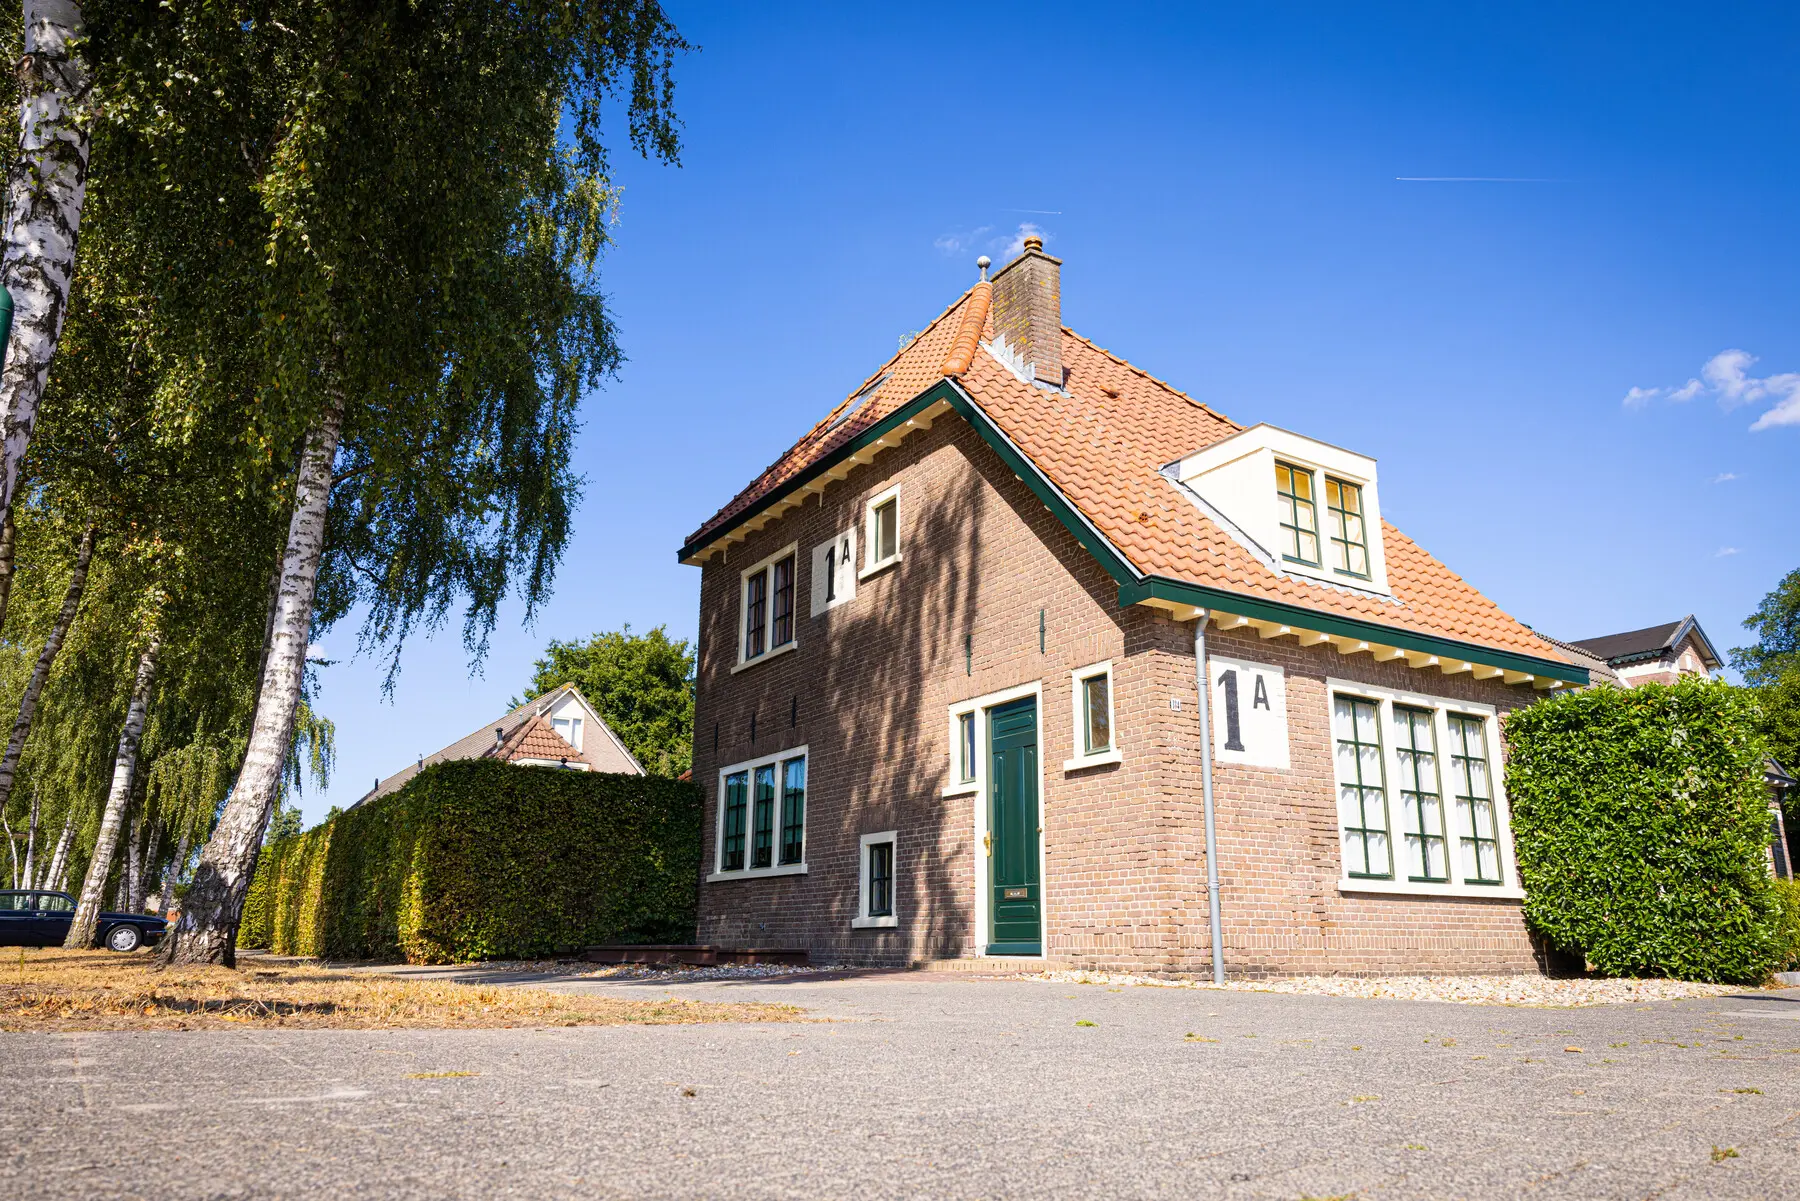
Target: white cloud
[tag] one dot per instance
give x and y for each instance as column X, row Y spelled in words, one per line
column 1016, row 245
column 1725, row 551
column 316, row 652
column 1725, row 477
column 1726, row 377
column 963, row 241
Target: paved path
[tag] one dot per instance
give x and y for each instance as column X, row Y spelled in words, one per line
column 925, row 1085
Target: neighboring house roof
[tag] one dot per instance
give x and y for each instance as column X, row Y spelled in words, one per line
column 1653, row 642
column 526, row 737
column 1599, row 670
column 1094, row 452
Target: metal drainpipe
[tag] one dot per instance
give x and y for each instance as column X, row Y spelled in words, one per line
column 1206, row 792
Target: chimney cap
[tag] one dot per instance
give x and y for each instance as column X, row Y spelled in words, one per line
column 1033, row 242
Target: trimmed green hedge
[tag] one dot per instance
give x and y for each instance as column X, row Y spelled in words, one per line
column 485, row 860
column 1641, row 823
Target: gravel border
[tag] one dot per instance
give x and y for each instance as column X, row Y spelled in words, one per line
column 1536, row 991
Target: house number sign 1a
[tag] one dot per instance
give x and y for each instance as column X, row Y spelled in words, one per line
column 1249, row 713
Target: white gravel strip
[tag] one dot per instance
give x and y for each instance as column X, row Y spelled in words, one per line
column 1463, row 990
column 689, row 975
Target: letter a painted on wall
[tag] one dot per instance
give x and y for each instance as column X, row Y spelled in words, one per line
column 1249, row 713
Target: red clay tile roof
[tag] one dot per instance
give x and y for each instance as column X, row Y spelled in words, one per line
column 1103, row 443
column 534, row 739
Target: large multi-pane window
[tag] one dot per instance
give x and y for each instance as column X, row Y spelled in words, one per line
column 731, row 842
column 1349, row 538
column 793, row 810
column 1299, row 514
column 1477, row 823
column 762, row 815
column 1421, row 804
column 1362, row 790
column 768, row 606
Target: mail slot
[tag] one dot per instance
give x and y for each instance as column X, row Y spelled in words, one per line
column 1017, row 894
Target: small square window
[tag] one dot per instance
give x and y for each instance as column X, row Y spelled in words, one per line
column 1091, row 699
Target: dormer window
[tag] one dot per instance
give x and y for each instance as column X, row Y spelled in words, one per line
column 1321, row 520
column 1349, row 538
column 1299, row 514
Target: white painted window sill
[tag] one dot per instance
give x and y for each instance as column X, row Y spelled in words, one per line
column 1100, row 760
column 964, row 788
column 1408, row 888
column 891, row 921
column 876, row 568
column 758, row 873
column 783, row 649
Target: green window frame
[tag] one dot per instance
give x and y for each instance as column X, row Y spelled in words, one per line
column 762, row 835
column 793, row 810
column 1299, row 513
column 731, row 846
column 1349, row 531
column 1362, row 788
column 1477, row 818
column 782, row 611
column 1421, row 803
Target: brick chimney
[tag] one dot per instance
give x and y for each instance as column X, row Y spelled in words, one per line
column 1028, row 313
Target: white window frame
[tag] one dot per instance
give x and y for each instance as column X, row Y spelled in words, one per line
column 1440, row 708
column 977, row 792
column 778, row 868
column 767, row 564
column 1078, row 712
column 862, row 920
column 573, row 736
column 872, row 565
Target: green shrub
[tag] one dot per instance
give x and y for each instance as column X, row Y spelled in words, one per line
column 1641, row 824
column 485, row 860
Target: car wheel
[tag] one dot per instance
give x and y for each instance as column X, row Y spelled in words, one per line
column 124, row 938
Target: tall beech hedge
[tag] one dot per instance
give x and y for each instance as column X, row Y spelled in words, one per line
column 485, row 860
column 1641, row 823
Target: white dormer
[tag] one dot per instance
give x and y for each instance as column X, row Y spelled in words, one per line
column 1305, row 507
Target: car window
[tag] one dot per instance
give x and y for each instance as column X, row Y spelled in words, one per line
column 54, row 902
column 15, row 900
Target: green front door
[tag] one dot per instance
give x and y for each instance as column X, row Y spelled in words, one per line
column 1016, row 902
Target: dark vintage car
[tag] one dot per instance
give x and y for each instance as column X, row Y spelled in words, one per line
column 41, row 919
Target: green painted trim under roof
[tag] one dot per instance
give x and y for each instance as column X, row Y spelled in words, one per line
column 1201, row 597
column 1134, row 586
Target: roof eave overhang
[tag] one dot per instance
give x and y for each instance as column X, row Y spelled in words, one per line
column 1350, row 635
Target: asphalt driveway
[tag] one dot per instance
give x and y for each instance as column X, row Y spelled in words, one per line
column 921, row 1085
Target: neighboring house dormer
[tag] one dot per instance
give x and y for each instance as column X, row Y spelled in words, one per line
column 1658, row 654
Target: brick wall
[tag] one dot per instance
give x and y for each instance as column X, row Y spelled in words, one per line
column 868, row 688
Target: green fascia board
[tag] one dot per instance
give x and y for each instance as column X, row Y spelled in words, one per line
column 1134, row 587
column 1182, row 593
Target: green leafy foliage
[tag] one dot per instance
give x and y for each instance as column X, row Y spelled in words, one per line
column 1787, row 929
column 642, row 684
column 1772, row 666
column 483, row 860
column 1641, row 824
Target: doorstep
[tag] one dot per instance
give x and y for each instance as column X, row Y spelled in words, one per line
column 693, row 955
column 994, row 965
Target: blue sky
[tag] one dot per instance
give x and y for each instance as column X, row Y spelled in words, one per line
column 1247, row 203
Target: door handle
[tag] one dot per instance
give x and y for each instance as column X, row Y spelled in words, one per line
column 987, row 844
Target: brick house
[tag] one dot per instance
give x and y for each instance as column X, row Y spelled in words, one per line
column 947, row 701
column 1656, row 655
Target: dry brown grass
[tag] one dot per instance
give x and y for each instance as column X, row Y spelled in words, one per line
column 58, row 990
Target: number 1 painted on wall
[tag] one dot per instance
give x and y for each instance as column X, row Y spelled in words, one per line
column 1233, row 734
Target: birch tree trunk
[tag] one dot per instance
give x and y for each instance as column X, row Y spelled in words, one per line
column 59, row 860
column 166, row 900
column 9, row 534
column 40, row 674
column 131, row 882
column 44, row 198
column 87, row 909
column 31, row 841
column 207, row 931
column 12, row 850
